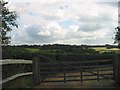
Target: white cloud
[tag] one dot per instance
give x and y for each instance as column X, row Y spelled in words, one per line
column 44, row 33
column 73, row 28
column 63, row 0
column 40, row 22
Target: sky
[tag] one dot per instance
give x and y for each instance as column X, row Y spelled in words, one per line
column 72, row 22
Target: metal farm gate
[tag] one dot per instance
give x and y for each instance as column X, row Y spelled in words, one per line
column 71, row 68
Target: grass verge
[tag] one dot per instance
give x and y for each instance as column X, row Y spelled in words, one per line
column 21, row 82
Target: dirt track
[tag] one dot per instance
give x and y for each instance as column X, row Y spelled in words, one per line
column 85, row 84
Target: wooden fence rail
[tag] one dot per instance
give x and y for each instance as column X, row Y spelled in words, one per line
column 44, row 70
column 14, row 62
column 15, row 76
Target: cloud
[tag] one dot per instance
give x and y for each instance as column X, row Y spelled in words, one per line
column 64, row 22
column 113, row 4
column 94, row 23
column 64, row 1
column 90, row 27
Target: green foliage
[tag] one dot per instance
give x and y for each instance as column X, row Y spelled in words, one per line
column 68, row 49
column 7, row 20
column 117, row 36
column 28, row 52
column 14, row 52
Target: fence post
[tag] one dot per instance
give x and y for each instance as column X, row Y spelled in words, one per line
column 97, row 72
column 116, row 69
column 36, row 71
column 64, row 78
column 81, row 73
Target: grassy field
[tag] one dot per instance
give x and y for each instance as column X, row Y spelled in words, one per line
column 21, row 82
column 99, row 49
column 104, row 49
column 96, row 48
column 32, row 49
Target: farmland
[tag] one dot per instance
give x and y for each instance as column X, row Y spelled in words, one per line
column 104, row 49
column 55, row 52
column 28, row 52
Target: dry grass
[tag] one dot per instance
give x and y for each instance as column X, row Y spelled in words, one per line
column 104, row 49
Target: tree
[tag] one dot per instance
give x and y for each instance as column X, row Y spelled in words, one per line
column 117, row 36
column 7, row 21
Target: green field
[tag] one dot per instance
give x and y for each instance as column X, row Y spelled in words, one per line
column 32, row 49
column 104, row 49
column 21, row 82
column 29, row 52
column 99, row 49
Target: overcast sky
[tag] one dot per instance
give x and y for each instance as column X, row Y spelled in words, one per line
column 64, row 22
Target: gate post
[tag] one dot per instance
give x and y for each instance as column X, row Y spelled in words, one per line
column 36, row 71
column 116, row 69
